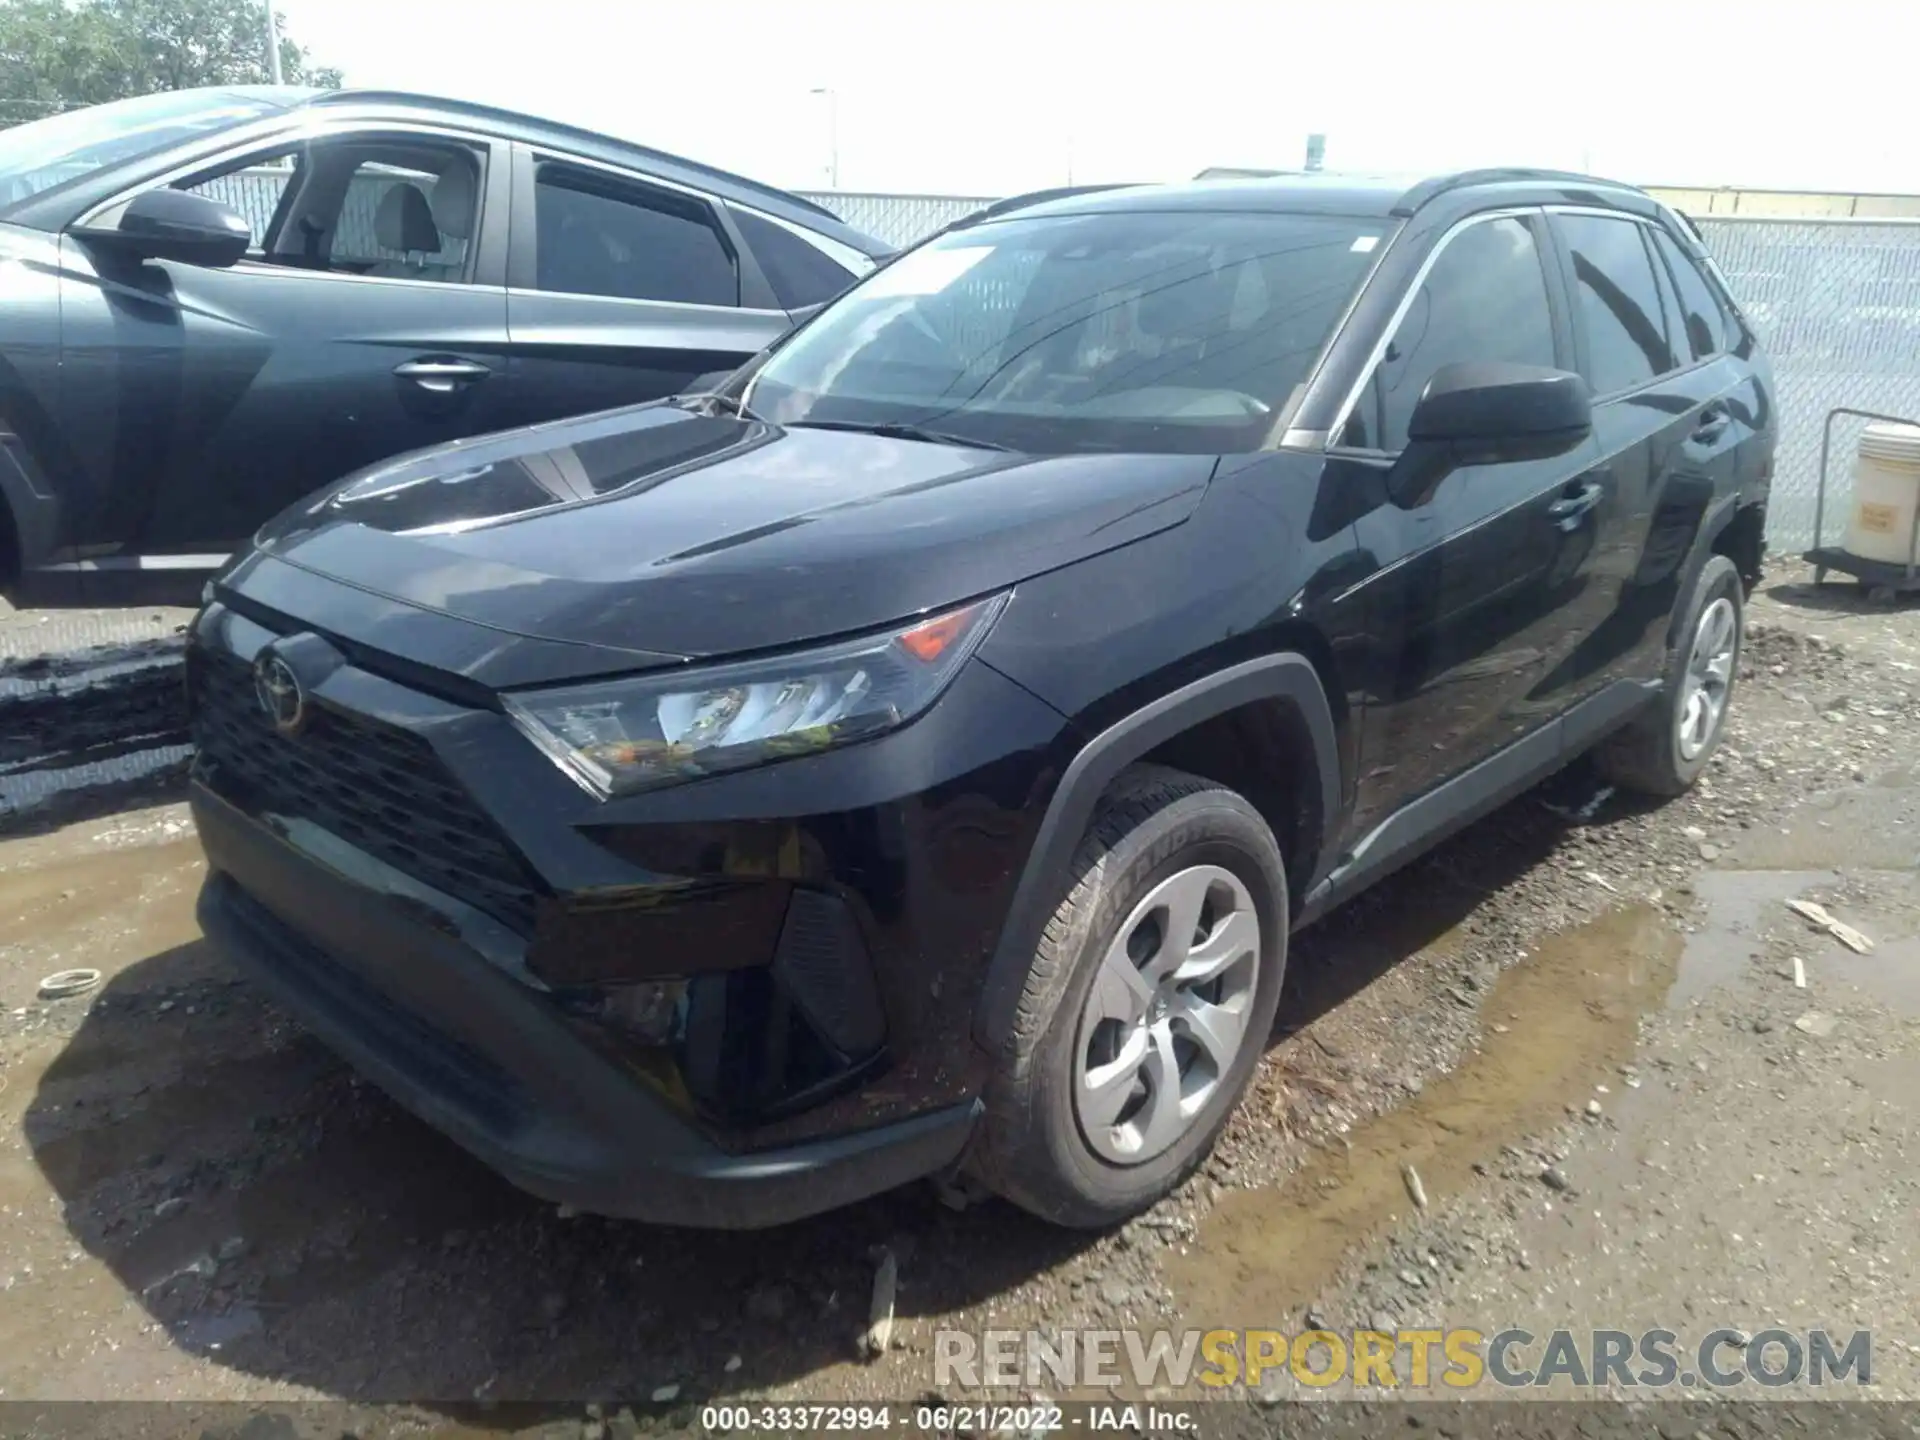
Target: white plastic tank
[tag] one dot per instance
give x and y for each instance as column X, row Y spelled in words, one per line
column 1886, row 493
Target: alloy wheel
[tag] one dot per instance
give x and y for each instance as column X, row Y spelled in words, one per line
column 1166, row 1016
column 1709, row 677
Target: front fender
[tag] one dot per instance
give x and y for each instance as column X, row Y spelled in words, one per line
column 1287, row 678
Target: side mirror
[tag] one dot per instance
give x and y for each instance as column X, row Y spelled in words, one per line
column 176, row 225
column 1488, row 413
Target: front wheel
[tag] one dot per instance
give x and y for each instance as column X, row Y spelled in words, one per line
column 1664, row 750
column 1148, row 1007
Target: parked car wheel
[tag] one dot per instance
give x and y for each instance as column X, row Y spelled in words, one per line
column 1148, row 1007
column 1664, row 751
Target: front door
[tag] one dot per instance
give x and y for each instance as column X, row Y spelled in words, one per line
column 204, row 401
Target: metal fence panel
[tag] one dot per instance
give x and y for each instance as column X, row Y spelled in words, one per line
column 897, row 219
column 1837, row 304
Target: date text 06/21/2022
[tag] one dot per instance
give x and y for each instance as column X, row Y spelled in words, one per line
column 962, row 1418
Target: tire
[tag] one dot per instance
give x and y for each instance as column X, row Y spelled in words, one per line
column 1656, row 755
column 1156, row 833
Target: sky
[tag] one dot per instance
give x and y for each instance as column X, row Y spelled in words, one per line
column 987, row 97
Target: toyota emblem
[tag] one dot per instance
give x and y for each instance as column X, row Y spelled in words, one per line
column 280, row 694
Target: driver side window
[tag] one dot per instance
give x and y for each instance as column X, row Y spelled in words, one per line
column 253, row 191
column 395, row 207
column 1484, row 298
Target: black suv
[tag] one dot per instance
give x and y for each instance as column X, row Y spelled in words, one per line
column 218, row 301
column 912, row 755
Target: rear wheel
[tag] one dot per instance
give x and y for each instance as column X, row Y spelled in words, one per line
column 1665, row 749
column 1148, row 1007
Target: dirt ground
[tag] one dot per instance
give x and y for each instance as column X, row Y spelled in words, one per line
column 1578, row 1022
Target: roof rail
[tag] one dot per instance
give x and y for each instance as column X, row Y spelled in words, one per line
column 1426, row 190
column 467, row 107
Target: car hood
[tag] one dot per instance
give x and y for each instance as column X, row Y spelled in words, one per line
column 665, row 535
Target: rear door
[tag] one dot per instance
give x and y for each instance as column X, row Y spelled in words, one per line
column 623, row 289
column 1481, row 591
column 1660, row 379
column 204, row 401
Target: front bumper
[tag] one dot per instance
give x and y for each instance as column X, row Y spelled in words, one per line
column 481, row 1055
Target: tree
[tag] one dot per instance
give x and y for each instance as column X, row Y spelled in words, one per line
column 59, row 54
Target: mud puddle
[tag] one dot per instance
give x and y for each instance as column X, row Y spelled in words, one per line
column 1555, row 1022
column 1563, row 1024
column 1747, row 924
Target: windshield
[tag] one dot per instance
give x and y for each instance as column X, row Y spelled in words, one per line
column 1122, row 331
column 61, row 148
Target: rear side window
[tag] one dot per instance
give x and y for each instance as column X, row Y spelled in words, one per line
column 1484, row 298
column 1618, row 302
column 1700, row 313
column 601, row 238
column 800, row 274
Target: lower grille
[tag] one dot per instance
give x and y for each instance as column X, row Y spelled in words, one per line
column 375, row 786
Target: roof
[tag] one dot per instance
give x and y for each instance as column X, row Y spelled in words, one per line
column 532, row 130
column 1323, row 192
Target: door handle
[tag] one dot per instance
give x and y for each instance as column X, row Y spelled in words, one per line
column 1574, row 503
column 442, row 377
column 1712, row 425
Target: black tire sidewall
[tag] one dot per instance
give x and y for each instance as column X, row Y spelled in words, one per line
column 1223, row 831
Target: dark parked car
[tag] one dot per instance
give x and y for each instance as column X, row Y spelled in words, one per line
column 220, row 300
column 914, row 755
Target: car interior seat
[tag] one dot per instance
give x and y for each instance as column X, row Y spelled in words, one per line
column 404, row 222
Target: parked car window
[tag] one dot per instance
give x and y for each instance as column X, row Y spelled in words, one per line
column 603, row 239
column 1183, row 332
column 340, row 210
column 800, row 274
column 1618, row 302
column 364, row 238
column 1700, row 313
column 253, row 191
column 1485, row 298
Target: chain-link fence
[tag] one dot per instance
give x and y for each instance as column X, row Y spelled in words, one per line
column 1837, row 304
column 896, row 219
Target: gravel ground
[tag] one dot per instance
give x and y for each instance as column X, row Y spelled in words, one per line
column 1576, row 1021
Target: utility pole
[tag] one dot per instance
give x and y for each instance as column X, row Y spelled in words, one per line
column 833, row 134
column 273, row 45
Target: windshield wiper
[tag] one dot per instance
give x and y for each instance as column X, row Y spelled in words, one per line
column 895, row 430
column 714, row 405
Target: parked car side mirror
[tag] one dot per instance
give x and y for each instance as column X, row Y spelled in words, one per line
column 176, row 225
column 1488, row 413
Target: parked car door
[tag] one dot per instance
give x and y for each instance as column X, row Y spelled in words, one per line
column 623, row 289
column 1481, row 591
column 368, row 318
column 1660, row 377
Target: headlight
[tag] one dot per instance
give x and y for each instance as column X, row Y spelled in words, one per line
column 619, row 736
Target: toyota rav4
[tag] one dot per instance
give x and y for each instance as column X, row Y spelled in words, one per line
column 911, row 757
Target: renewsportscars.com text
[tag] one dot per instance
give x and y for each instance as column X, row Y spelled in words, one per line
column 1459, row 1359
